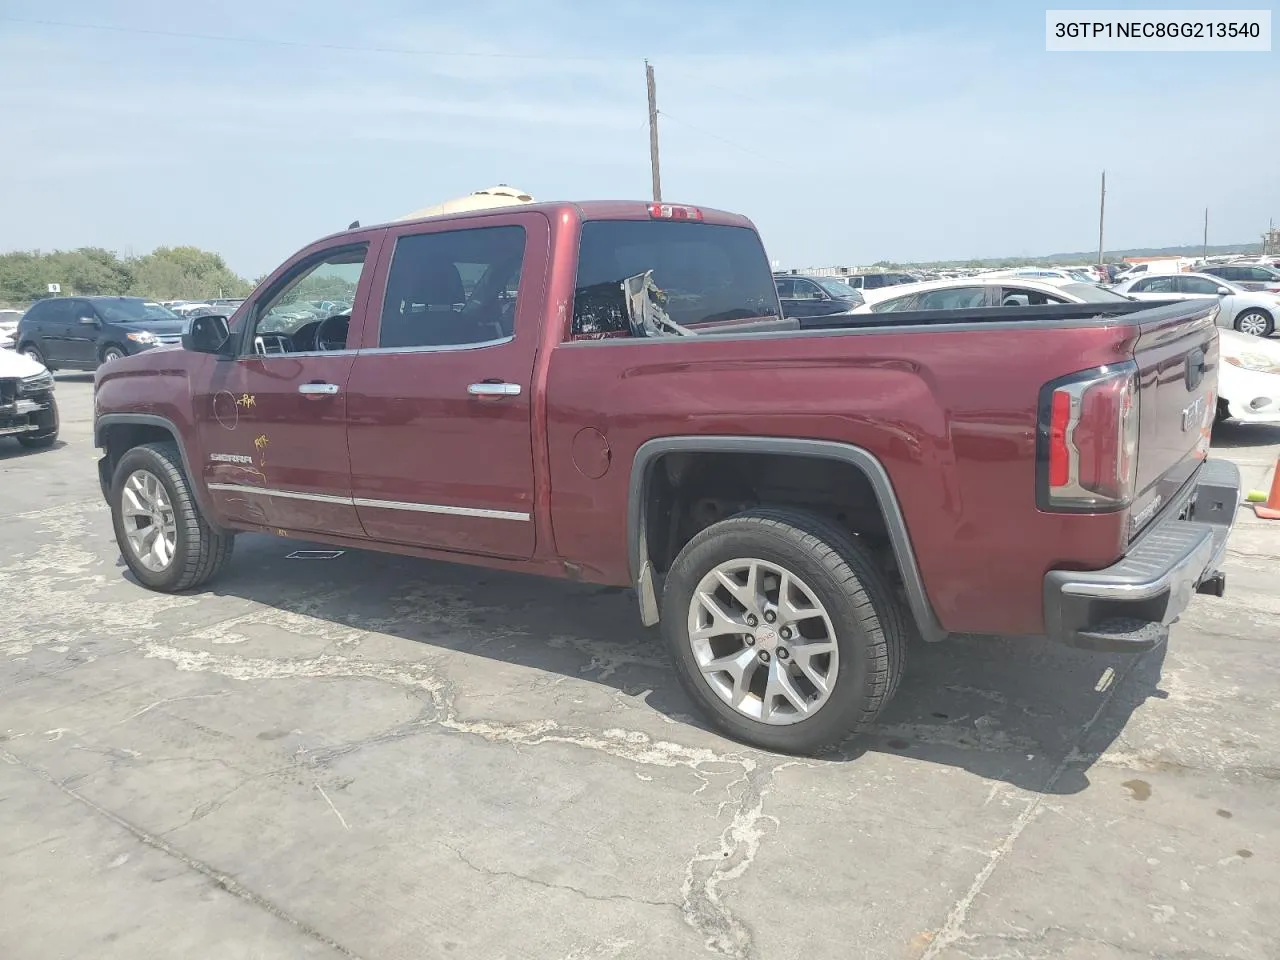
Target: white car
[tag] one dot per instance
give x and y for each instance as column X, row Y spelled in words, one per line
column 960, row 293
column 1044, row 273
column 1248, row 378
column 1249, row 311
column 193, row 309
column 9, row 328
column 28, row 411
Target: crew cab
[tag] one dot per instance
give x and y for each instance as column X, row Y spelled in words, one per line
column 608, row 392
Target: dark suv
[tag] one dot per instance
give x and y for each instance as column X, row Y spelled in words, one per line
column 815, row 296
column 79, row 333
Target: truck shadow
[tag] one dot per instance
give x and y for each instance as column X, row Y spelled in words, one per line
column 1232, row 434
column 1022, row 711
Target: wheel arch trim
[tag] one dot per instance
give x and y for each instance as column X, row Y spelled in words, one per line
column 106, row 420
column 649, row 453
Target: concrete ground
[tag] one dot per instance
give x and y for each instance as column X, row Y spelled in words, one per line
column 385, row 758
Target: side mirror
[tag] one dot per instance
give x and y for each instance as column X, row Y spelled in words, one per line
column 88, row 321
column 209, row 333
column 1224, row 292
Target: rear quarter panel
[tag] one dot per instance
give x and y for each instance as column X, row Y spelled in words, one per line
column 950, row 413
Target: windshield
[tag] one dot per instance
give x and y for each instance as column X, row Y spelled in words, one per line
column 702, row 273
column 1091, row 293
column 133, row 311
column 837, row 288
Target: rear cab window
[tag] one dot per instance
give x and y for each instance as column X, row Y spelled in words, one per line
column 704, row 273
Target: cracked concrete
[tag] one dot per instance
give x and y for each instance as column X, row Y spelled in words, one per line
column 379, row 757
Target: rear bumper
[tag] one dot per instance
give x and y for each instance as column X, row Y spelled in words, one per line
column 1130, row 605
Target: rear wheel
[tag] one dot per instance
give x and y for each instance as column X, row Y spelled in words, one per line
column 162, row 535
column 783, row 629
column 1257, row 323
column 32, row 352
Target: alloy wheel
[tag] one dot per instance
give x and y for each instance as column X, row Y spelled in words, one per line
column 763, row 641
column 149, row 522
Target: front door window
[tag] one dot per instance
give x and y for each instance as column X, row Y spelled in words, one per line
column 311, row 311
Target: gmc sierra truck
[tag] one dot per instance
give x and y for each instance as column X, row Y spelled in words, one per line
column 608, row 392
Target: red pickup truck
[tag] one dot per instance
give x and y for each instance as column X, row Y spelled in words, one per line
column 608, row 392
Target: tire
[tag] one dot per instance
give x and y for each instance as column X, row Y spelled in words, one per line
column 836, row 571
column 199, row 552
column 1259, row 322
column 111, row 352
column 33, row 352
column 45, row 437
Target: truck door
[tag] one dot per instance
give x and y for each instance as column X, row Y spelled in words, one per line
column 272, row 420
column 439, row 399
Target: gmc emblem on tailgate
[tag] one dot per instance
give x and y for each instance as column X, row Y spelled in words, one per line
column 1193, row 415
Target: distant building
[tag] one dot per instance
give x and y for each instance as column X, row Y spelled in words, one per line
column 1271, row 243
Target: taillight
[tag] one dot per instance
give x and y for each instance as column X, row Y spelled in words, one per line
column 1088, row 448
column 672, row 211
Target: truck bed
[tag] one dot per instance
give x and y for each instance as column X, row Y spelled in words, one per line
column 948, row 401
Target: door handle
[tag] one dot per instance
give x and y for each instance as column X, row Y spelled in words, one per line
column 494, row 389
column 325, row 389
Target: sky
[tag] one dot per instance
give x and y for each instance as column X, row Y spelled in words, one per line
column 849, row 132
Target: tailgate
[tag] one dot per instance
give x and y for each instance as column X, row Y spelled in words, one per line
column 1177, row 358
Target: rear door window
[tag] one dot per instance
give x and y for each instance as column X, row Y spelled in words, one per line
column 59, row 311
column 786, row 288
column 1026, row 297
column 453, row 288
column 1156, row 285
column 896, row 304
column 704, row 273
column 959, row 298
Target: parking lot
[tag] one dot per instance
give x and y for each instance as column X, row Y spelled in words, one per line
column 378, row 757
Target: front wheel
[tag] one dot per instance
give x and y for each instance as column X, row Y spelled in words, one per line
column 1257, row 323
column 164, row 539
column 783, row 629
column 111, row 353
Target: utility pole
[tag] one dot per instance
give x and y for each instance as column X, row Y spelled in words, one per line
column 1205, row 253
column 1102, row 212
column 653, row 131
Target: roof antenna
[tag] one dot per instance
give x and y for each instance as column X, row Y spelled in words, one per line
column 353, row 224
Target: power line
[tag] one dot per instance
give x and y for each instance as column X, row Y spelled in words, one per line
column 715, row 136
column 303, row 44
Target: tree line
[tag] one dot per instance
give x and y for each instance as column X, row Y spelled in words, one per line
column 166, row 273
